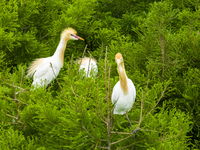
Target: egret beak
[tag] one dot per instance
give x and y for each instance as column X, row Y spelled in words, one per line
column 77, row 37
column 118, row 61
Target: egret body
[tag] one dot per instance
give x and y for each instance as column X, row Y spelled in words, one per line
column 124, row 93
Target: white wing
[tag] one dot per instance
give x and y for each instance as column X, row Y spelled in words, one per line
column 44, row 73
column 115, row 93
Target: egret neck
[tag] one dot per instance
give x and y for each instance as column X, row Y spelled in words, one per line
column 60, row 51
column 122, row 77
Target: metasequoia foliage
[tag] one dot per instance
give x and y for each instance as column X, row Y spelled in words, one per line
column 160, row 45
column 79, row 115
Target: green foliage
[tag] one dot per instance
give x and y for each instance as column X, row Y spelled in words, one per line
column 159, row 41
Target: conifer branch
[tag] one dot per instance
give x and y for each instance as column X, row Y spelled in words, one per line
column 142, row 105
column 91, row 135
column 11, row 122
column 74, row 92
column 17, row 13
column 49, row 118
column 19, row 101
column 11, row 116
column 102, row 147
column 121, row 140
column 151, row 130
column 126, row 133
column 158, row 101
column 14, row 86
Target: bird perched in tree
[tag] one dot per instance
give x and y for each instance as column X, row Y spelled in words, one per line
column 124, row 93
column 89, row 66
column 44, row 70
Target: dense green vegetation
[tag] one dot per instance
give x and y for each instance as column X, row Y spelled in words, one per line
column 159, row 41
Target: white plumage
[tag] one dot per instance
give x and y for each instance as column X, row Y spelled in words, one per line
column 124, row 102
column 44, row 70
column 89, row 66
column 124, row 93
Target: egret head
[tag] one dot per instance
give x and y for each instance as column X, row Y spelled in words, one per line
column 119, row 59
column 70, row 34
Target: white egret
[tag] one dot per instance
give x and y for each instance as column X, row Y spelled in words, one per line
column 44, row 70
column 124, row 93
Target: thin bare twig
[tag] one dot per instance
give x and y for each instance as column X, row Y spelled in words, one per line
column 74, row 92
column 102, row 147
column 55, row 76
column 107, row 97
column 121, row 140
column 11, row 116
column 19, row 101
column 96, row 62
column 102, row 116
column 88, row 67
column 115, row 132
column 14, row 86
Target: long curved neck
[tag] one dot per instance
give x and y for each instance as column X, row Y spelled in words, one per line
column 123, row 78
column 60, row 51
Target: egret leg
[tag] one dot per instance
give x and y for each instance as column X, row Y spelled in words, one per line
column 128, row 119
column 48, row 86
column 134, row 131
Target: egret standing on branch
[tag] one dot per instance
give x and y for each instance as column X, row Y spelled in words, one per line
column 44, row 70
column 124, row 93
